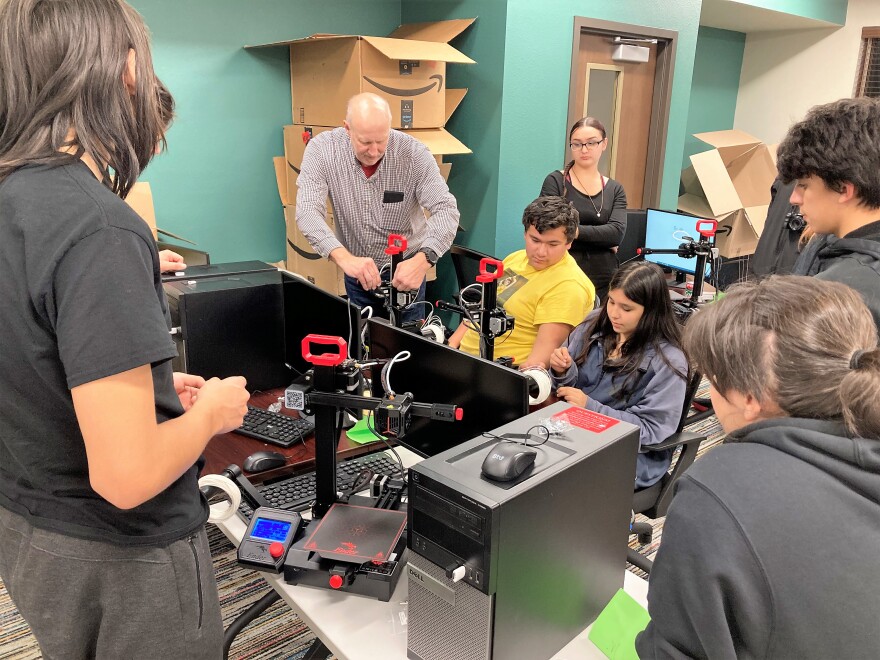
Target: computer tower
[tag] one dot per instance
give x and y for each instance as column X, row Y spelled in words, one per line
column 538, row 557
column 231, row 325
column 634, row 238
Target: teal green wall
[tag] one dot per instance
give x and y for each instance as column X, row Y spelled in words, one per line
column 537, row 69
column 216, row 184
column 833, row 11
column 717, row 68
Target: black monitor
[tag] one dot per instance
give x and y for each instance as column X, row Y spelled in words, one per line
column 666, row 230
column 489, row 394
column 309, row 310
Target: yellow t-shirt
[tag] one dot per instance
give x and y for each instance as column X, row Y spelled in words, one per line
column 560, row 293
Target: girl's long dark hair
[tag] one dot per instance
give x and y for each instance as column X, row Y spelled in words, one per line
column 589, row 122
column 61, row 75
column 643, row 283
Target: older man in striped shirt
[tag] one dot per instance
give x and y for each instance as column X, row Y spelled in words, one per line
column 378, row 180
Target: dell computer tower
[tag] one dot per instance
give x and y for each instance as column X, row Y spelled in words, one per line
column 537, row 558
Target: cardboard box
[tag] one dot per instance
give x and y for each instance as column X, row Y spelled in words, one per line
column 731, row 184
column 407, row 68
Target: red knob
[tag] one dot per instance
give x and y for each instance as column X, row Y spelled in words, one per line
column 336, row 581
column 276, row 550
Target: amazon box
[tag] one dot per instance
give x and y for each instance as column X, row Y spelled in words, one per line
column 407, row 68
column 731, row 184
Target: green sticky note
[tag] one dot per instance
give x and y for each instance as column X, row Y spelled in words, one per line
column 360, row 434
column 614, row 632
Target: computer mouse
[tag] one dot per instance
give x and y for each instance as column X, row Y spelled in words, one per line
column 508, row 460
column 260, row 461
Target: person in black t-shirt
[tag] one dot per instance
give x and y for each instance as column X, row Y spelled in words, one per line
column 102, row 541
column 600, row 201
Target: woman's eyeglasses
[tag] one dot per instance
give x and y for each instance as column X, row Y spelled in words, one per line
column 579, row 146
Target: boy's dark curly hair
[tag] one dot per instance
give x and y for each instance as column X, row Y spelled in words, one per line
column 838, row 142
column 551, row 212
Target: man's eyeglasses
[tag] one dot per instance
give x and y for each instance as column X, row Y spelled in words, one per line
column 579, row 146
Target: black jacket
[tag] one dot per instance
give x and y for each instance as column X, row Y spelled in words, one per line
column 777, row 249
column 770, row 549
column 853, row 260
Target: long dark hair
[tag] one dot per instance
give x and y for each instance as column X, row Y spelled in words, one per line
column 643, row 283
column 61, row 73
column 589, row 122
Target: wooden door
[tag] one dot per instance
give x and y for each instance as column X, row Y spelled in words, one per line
column 621, row 96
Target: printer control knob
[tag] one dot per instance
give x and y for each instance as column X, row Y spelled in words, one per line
column 336, row 581
column 276, row 550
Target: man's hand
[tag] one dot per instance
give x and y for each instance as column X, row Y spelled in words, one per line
column 572, row 395
column 411, row 272
column 187, row 387
column 560, row 360
column 170, row 261
column 363, row 269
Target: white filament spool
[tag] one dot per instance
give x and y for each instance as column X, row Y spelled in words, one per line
column 225, row 509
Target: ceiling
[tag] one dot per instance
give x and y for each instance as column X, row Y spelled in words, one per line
column 739, row 17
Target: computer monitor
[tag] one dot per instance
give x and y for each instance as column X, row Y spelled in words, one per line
column 489, row 394
column 309, row 310
column 665, row 230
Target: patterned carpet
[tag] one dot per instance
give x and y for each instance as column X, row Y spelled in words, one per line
column 277, row 633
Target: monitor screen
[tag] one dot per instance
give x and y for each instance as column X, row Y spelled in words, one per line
column 309, row 310
column 488, row 393
column 666, row 230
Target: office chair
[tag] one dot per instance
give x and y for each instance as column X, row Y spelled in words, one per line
column 467, row 264
column 653, row 501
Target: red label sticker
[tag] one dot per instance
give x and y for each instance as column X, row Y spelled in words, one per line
column 586, row 419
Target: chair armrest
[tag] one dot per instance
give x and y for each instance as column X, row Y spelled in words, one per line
column 676, row 439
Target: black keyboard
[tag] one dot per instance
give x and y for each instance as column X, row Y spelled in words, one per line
column 275, row 428
column 298, row 492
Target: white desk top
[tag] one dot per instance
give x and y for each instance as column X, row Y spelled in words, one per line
column 360, row 628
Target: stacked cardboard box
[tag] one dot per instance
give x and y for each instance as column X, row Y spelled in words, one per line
column 407, row 68
column 731, row 183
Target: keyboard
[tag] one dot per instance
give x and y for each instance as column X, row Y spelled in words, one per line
column 297, row 492
column 274, row 428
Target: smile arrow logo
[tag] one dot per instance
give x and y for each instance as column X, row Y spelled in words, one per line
column 396, row 91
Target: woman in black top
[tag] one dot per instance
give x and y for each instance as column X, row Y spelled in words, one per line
column 600, row 201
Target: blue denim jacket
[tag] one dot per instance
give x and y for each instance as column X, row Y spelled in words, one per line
column 654, row 405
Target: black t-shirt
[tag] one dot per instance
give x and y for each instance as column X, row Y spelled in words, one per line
column 82, row 300
column 602, row 224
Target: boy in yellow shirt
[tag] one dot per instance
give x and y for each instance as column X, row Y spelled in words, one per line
column 543, row 288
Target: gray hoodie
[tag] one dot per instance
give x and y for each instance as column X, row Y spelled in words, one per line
column 770, row 549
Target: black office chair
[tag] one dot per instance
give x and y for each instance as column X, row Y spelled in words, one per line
column 653, row 501
column 467, row 266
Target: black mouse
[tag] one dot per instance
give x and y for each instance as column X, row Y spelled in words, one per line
column 508, row 460
column 260, row 461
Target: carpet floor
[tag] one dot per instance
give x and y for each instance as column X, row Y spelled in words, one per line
column 278, row 633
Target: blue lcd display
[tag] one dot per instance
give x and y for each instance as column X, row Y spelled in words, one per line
column 270, row 530
column 665, row 230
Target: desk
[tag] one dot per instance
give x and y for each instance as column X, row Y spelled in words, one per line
column 229, row 448
column 359, row 628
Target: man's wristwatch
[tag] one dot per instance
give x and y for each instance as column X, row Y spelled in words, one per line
column 430, row 255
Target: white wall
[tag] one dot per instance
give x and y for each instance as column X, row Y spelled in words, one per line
column 784, row 74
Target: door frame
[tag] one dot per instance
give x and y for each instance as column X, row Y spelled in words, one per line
column 658, row 128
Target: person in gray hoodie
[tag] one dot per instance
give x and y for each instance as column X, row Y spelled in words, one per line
column 834, row 156
column 769, row 547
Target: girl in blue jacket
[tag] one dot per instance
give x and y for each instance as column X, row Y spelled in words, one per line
column 625, row 361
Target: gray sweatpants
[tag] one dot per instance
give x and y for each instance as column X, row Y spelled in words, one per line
column 86, row 599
